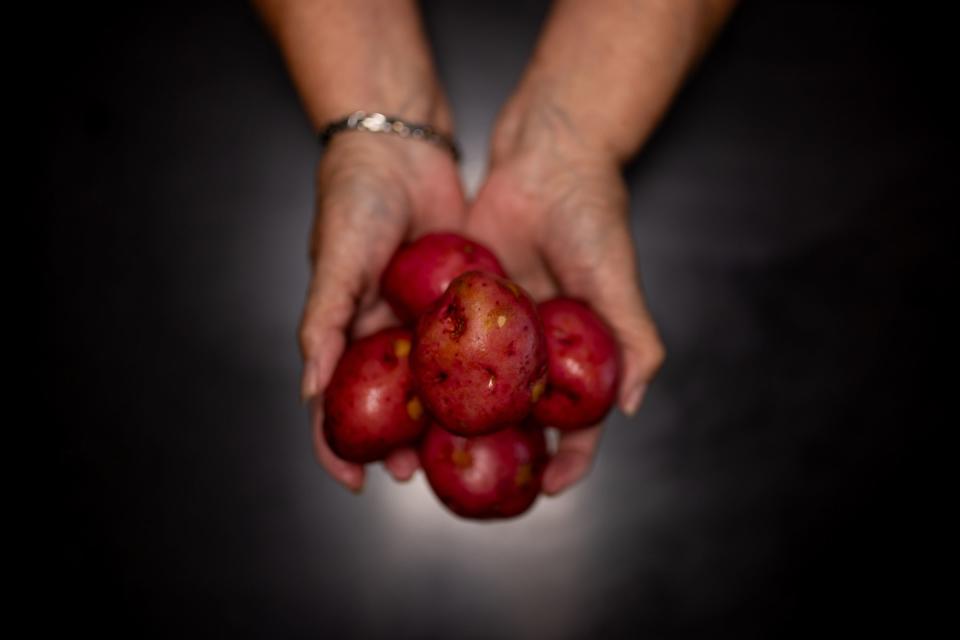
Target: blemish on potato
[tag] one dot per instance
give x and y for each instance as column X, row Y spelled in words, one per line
column 389, row 359
column 565, row 338
column 492, row 381
column 538, row 389
column 401, row 348
column 571, row 395
column 501, row 320
column 459, row 327
column 414, row 408
column 524, row 475
column 455, row 320
column 461, row 458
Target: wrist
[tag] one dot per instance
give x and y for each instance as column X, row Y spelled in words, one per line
column 539, row 120
column 413, row 102
column 605, row 77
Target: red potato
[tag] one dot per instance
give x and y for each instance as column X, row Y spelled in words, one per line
column 479, row 355
column 419, row 272
column 493, row 476
column 584, row 366
column 370, row 406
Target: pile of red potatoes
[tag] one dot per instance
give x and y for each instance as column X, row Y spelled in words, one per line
column 472, row 378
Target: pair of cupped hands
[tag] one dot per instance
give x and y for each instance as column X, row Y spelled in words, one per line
column 554, row 212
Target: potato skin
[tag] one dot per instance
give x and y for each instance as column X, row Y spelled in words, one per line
column 583, row 366
column 419, row 272
column 370, row 405
column 492, row 476
column 479, row 356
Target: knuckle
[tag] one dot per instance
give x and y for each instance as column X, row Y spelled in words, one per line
column 309, row 336
column 651, row 355
column 657, row 355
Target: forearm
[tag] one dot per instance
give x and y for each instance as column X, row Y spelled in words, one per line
column 362, row 54
column 605, row 71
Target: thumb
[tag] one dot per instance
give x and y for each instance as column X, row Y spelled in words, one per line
column 327, row 313
column 572, row 461
column 330, row 305
column 641, row 347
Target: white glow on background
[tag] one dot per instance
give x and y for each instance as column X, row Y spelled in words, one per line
column 472, row 172
column 514, row 558
column 473, row 165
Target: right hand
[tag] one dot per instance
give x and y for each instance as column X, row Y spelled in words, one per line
column 373, row 192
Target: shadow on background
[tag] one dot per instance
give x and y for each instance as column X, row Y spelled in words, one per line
column 786, row 220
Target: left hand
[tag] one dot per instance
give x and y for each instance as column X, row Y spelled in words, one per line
column 556, row 213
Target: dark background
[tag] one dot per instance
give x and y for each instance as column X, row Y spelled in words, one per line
column 788, row 221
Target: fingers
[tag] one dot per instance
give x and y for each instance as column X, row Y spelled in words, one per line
column 605, row 275
column 326, row 315
column 331, row 302
column 402, row 463
column 537, row 282
column 642, row 350
column 371, row 192
column 337, row 287
column 371, row 320
column 348, row 474
column 573, row 459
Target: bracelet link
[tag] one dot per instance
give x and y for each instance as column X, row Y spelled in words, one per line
column 376, row 122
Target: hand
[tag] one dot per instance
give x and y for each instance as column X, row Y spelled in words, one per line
column 555, row 212
column 373, row 192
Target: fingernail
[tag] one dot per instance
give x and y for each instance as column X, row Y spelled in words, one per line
column 357, row 482
column 634, row 399
column 308, row 384
column 313, row 408
column 552, row 482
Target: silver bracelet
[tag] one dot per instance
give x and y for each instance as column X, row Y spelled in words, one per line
column 379, row 123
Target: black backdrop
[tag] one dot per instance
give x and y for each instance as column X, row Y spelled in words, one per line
column 787, row 217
